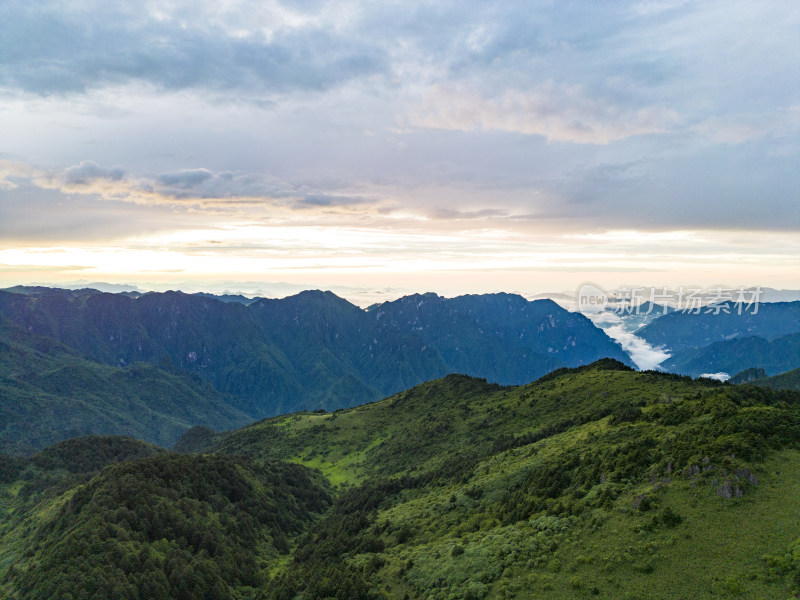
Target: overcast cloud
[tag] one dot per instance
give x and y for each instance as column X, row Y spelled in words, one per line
column 509, row 119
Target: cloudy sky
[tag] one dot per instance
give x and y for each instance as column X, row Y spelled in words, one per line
column 400, row 146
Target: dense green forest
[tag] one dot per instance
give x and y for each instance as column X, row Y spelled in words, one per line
column 50, row 392
column 170, row 526
column 591, row 482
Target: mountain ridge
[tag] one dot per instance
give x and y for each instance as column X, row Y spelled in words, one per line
column 49, row 392
column 775, row 356
column 314, row 349
column 683, row 330
column 597, row 481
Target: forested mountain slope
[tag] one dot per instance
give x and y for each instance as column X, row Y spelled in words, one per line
column 790, row 380
column 598, row 481
column 315, row 350
column 50, row 392
column 164, row 526
column 682, row 330
column 732, row 356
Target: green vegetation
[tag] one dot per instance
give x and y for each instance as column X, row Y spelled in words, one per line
column 310, row 351
column 169, row 526
column 92, row 453
column 196, row 439
column 48, row 392
column 748, row 376
column 591, row 482
column 789, row 380
column 736, row 355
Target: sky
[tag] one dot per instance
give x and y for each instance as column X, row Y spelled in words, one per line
column 381, row 148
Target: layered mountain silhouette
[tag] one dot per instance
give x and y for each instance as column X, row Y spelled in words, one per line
column 50, row 392
column 679, row 330
column 790, row 380
column 312, row 350
column 732, row 356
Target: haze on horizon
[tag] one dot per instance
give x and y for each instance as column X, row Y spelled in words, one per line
column 451, row 147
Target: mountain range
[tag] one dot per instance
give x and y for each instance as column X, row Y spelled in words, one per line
column 310, row 351
column 732, row 356
column 790, row 380
column 684, row 330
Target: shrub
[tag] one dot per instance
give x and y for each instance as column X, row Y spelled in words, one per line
column 627, row 413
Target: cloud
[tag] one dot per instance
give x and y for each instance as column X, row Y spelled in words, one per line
column 44, row 268
column 52, row 48
column 741, row 128
column 642, row 353
column 88, row 172
column 186, row 179
column 13, row 170
column 718, row 376
column 198, row 188
column 457, row 214
column 657, row 7
column 319, row 200
column 553, row 110
column 577, row 116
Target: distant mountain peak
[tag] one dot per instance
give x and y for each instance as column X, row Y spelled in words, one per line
column 315, row 349
column 748, row 375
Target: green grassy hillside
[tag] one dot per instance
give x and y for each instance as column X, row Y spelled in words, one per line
column 592, row 482
column 598, row 481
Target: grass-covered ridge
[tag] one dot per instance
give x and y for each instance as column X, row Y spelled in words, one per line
column 450, row 417
column 592, row 482
column 601, row 453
